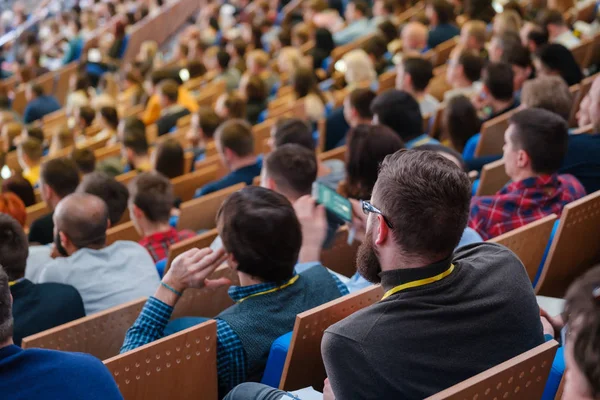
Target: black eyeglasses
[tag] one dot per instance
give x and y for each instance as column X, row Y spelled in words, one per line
column 370, row 208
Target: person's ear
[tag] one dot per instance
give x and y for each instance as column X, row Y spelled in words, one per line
column 407, row 81
column 383, row 231
column 523, row 159
column 271, row 185
column 232, row 262
column 64, row 240
column 137, row 212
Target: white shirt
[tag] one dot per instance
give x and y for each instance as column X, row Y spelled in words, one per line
column 567, row 39
column 121, row 272
column 468, row 91
column 429, row 105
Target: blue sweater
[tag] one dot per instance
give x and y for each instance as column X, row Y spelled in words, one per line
column 39, row 107
column 47, row 374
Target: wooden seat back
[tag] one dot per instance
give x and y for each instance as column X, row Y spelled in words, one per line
column 36, row 211
column 185, row 186
column 492, row 135
column 339, row 153
column 520, row 378
column 200, row 213
column 341, row 257
column 181, row 366
column 493, row 178
column 197, row 242
column 100, row 334
column 124, row 231
column 304, row 364
column 127, row 177
column 582, row 52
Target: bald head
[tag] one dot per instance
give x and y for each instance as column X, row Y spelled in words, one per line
column 414, row 37
column 83, row 218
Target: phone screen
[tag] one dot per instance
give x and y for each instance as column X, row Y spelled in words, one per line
column 334, row 202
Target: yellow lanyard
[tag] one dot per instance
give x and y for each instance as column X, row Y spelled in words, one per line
column 288, row 283
column 12, row 283
column 420, row 282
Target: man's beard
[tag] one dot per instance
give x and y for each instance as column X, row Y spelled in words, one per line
column 367, row 262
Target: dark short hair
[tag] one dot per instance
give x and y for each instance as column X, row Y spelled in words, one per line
column 256, row 89
column 20, row 186
column 36, row 89
column 209, row 121
column 235, row 105
column 32, row 148
column 114, row 193
column 460, row 121
column 111, row 116
column 85, row 159
column 361, row 99
column 550, row 16
column 543, row 135
column 472, row 64
column 420, row 71
column 14, row 248
column 400, row 111
column 260, row 228
column 444, row 11
column 36, row 133
column 152, row 193
column 293, row 130
column 88, row 114
column 61, row 175
column 236, row 135
column 538, row 35
column 368, row 145
column 426, row 199
column 136, row 141
column 293, row 168
column 558, row 58
column 170, row 89
column 223, row 59
column 134, row 123
column 498, row 78
column 169, row 159
column 361, row 6
column 519, row 56
column 6, row 319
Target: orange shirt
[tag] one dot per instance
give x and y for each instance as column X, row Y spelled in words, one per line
column 152, row 111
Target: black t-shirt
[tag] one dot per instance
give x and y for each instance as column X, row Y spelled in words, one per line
column 42, row 230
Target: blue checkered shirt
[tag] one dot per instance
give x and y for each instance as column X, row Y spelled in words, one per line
column 231, row 357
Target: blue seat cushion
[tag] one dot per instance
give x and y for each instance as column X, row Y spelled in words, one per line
column 276, row 360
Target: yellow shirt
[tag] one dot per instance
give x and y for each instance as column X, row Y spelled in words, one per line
column 32, row 175
column 152, row 111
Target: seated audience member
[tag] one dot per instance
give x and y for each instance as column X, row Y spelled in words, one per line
column 463, row 73
column 460, row 122
column 168, row 159
column 376, row 48
column 38, row 103
column 220, row 63
column 441, row 22
column 288, row 60
column 36, row 307
column 109, row 121
column 171, row 111
column 235, row 145
column 12, row 205
column 264, row 252
column 556, row 59
column 558, row 31
column 324, row 45
column 114, row 193
column 85, row 160
column 37, row 374
column 413, row 75
column 535, row 145
column 153, row 108
column 58, row 179
column 297, row 131
column 135, row 150
column 21, row 187
column 203, row 126
column 360, row 70
column 356, row 16
column 61, row 139
column 304, row 83
column 473, row 37
column 257, row 63
column 30, row 158
column 533, row 37
column 401, row 112
column 497, row 92
column 33, row 132
column 230, row 106
column 357, row 107
column 84, row 118
column 10, row 132
column 254, row 89
column 503, row 44
column 414, row 38
column 151, row 199
column 520, row 61
column 506, row 21
column 105, row 276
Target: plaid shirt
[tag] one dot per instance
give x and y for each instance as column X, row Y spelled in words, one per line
column 519, row 203
column 158, row 243
column 231, row 357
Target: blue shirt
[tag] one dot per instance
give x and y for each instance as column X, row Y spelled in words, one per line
column 39, row 107
column 353, row 31
column 231, row 357
column 48, row 374
column 245, row 174
column 420, row 141
column 74, row 51
column 441, row 33
column 582, row 160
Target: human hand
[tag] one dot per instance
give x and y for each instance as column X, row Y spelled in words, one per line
column 547, row 327
column 314, row 227
column 192, row 269
column 327, row 391
column 359, row 220
column 556, row 322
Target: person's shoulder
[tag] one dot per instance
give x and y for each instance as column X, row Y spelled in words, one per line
column 60, row 290
column 358, row 325
column 572, row 184
column 486, row 255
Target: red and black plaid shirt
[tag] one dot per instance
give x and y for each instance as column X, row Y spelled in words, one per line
column 519, row 203
column 158, row 244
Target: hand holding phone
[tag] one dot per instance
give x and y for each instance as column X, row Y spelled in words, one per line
column 333, row 201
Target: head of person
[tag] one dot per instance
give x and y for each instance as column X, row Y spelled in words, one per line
column 20, row 186
column 14, row 251
column 399, row 111
column 304, row 82
column 234, row 141
column 12, row 205
column 291, row 130
column 33, row 91
column 34, row 132
column 359, row 68
column 107, row 188
column 368, row 145
column 6, row 318
column 151, row 199
column 549, row 93
column 498, row 79
column 324, row 40
column 473, row 35
column 203, row 125
column 447, row 152
column 85, row 160
column 413, row 75
column 223, row 59
column 502, row 44
column 464, row 67
column 556, row 59
column 10, row 131
column 257, row 61
column 357, row 106
column 582, row 347
column 388, row 31
column 230, row 105
column 384, row 8
column 355, row 10
column 290, row 170
column 30, row 153
column 553, row 22
column 80, row 221
column 109, row 118
column 261, row 234
column 254, row 89
column 288, row 60
column 479, row 10
column 439, row 12
column 130, row 124
column 134, row 146
column 80, row 83
column 535, row 143
column 168, row 93
column 168, row 159
column 62, row 139
column 32, row 56
column 520, row 61
column 58, row 178
column 84, row 116
column 424, row 202
column 460, row 121
column 300, row 34
column 533, row 36
column 414, row 37
column 507, row 21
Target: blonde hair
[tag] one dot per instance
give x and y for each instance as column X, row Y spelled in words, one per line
column 260, row 58
column 290, row 58
column 62, row 139
column 509, row 20
column 148, row 49
column 476, row 29
column 359, row 67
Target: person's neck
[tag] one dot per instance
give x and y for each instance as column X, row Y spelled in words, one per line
column 399, row 260
column 461, row 83
column 150, row 228
column 242, row 162
column 248, row 280
column 141, row 160
column 499, row 105
column 560, row 31
column 6, row 343
column 523, row 174
column 419, row 96
column 360, row 121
